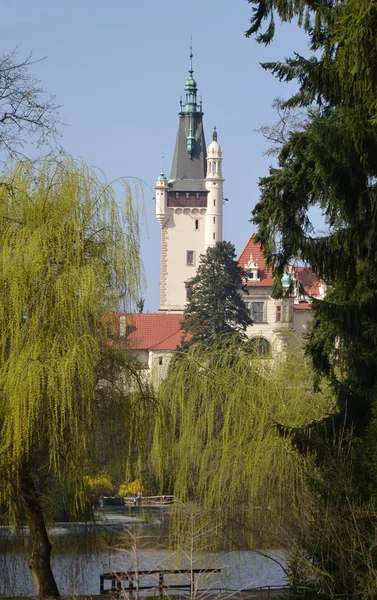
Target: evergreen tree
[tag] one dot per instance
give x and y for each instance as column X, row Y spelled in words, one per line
column 331, row 163
column 215, row 308
column 67, row 254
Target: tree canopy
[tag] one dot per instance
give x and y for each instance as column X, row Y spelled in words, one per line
column 215, row 308
column 68, row 256
column 331, row 163
column 217, row 443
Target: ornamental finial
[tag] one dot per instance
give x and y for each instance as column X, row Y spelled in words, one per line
column 191, row 70
column 214, row 134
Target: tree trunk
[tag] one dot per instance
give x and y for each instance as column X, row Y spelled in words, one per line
column 39, row 563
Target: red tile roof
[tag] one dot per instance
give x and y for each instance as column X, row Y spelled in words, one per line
column 151, row 331
column 253, row 249
column 309, row 281
column 303, row 305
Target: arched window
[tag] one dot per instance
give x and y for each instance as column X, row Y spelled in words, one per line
column 262, row 346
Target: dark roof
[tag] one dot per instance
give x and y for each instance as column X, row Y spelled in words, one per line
column 188, row 172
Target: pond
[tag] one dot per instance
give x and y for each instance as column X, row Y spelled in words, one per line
column 81, row 553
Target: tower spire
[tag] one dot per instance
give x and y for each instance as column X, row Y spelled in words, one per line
column 189, row 160
column 191, row 70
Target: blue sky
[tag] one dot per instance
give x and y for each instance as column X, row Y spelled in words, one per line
column 118, row 68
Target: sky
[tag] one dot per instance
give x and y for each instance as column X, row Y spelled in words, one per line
column 118, row 69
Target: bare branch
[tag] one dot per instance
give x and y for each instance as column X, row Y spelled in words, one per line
column 290, row 120
column 27, row 114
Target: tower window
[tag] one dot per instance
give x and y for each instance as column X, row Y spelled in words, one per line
column 187, row 195
column 177, row 194
column 190, row 258
column 160, row 360
column 214, row 220
column 278, row 314
column 214, row 235
column 188, row 291
column 196, row 224
column 197, row 195
column 214, row 203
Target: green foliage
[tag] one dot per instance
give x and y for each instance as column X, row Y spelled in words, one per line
column 331, row 163
column 100, row 483
column 215, row 308
column 132, row 488
column 67, row 256
column 222, row 448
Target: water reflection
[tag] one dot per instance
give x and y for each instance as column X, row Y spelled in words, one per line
column 81, row 554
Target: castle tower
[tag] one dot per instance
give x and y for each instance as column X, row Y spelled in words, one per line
column 189, row 205
column 214, row 186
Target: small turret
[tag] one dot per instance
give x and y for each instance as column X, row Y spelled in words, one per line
column 161, row 188
column 214, row 157
column 214, row 185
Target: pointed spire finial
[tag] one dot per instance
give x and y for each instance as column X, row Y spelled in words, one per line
column 162, row 174
column 191, row 70
column 214, row 134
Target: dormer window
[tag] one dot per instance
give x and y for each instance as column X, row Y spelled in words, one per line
column 251, row 270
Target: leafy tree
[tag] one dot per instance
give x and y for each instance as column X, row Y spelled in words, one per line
column 216, row 423
column 331, row 163
column 67, row 254
column 215, row 308
column 27, row 114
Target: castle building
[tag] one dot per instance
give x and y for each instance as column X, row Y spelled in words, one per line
column 189, row 206
column 189, row 210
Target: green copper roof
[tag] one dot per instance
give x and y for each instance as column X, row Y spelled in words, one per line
column 190, row 83
column 161, row 177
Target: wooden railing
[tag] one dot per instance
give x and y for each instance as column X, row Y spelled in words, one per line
column 149, row 500
column 133, row 580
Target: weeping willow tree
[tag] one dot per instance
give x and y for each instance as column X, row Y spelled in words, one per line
column 224, row 450
column 68, row 256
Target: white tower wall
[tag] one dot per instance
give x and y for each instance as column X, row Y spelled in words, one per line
column 214, row 184
column 184, row 235
column 161, row 198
